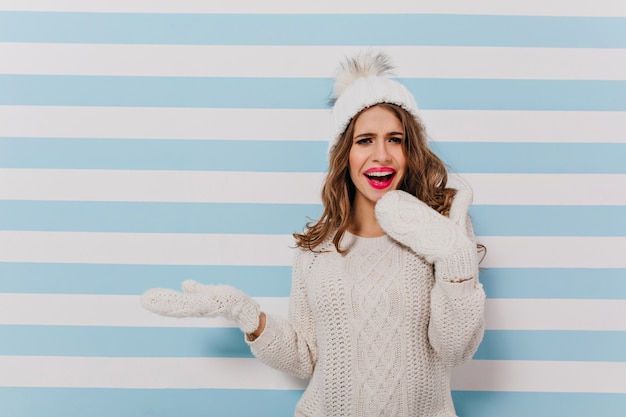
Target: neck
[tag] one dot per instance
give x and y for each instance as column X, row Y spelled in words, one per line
column 363, row 222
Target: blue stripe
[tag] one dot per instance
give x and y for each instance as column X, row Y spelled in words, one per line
column 533, row 158
column 59, row 278
column 527, row 220
column 140, row 217
column 563, row 283
column 146, row 154
column 94, row 402
column 314, row 29
column 288, row 156
column 231, row 218
column 164, row 91
column 35, row 340
column 486, row 94
column 264, row 281
column 305, row 93
column 538, row 404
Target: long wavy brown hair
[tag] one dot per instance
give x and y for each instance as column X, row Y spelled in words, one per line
column 425, row 177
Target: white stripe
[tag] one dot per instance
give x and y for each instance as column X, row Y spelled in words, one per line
column 525, row 126
column 555, row 314
column 96, row 372
column 146, row 248
column 105, row 310
column 287, row 124
column 541, row 376
column 554, row 252
column 181, row 186
column 208, row 249
column 279, row 188
column 245, row 373
column 528, row 7
column 549, row 189
column 165, row 123
column 125, row 310
column 309, row 61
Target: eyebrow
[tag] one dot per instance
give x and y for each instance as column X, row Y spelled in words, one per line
column 367, row 134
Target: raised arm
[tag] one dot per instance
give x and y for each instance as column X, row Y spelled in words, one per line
column 456, row 322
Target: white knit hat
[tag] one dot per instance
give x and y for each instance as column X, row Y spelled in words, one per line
column 361, row 82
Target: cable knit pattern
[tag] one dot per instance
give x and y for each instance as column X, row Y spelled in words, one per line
column 376, row 308
column 373, row 331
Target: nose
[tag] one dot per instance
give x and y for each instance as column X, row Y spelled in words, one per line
column 381, row 152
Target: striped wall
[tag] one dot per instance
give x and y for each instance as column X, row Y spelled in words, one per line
column 146, row 142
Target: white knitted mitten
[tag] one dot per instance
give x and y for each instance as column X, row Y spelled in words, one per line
column 197, row 300
column 442, row 241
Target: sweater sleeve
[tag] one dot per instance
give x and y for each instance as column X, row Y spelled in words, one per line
column 290, row 345
column 457, row 319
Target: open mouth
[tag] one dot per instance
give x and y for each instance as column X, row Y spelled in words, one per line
column 380, row 178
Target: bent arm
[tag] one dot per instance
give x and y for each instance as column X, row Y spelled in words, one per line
column 290, row 345
column 457, row 322
column 457, row 304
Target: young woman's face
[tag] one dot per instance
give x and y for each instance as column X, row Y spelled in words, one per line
column 377, row 161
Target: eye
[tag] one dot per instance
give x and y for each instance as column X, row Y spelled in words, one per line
column 363, row 141
column 395, row 139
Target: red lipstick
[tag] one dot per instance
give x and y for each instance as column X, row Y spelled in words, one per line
column 379, row 177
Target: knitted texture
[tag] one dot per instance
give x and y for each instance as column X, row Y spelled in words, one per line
column 199, row 300
column 440, row 240
column 373, row 331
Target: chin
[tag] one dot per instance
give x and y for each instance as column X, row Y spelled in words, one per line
column 381, row 194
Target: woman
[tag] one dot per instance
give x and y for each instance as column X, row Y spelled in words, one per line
column 385, row 297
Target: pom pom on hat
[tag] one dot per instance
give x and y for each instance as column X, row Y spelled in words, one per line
column 361, row 82
column 361, row 66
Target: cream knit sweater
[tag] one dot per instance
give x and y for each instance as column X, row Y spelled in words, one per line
column 373, row 331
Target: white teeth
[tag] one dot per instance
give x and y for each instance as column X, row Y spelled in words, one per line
column 379, row 174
